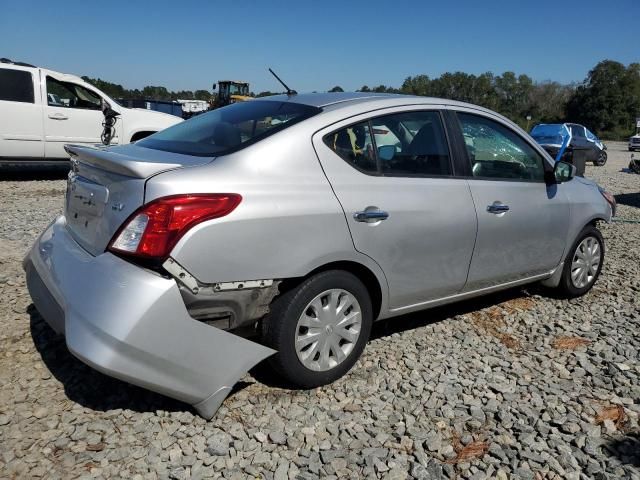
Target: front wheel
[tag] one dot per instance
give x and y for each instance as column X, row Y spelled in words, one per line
column 601, row 160
column 583, row 264
column 319, row 328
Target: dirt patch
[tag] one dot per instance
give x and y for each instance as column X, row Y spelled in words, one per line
column 465, row 453
column 615, row 413
column 570, row 343
column 492, row 320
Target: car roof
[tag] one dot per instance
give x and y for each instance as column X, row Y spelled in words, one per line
column 346, row 99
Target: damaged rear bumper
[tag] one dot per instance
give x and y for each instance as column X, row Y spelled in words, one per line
column 132, row 323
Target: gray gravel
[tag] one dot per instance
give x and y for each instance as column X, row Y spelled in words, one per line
column 514, row 385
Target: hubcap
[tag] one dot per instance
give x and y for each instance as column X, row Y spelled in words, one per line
column 328, row 330
column 585, row 262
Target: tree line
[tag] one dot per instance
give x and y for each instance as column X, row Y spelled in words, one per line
column 149, row 92
column 607, row 101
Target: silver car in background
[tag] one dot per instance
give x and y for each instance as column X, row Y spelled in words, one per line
column 282, row 228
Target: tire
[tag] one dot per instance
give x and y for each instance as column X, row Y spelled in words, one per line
column 281, row 328
column 570, row 287
column 601, row 160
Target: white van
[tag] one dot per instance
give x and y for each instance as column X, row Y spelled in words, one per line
column 42, row 110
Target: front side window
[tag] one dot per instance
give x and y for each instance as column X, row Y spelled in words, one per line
column 401, row 144
column 71, row 95
column 496, row 151
column 228, row 129
column 16, row 85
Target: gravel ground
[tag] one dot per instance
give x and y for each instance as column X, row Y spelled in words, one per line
column 513, row 385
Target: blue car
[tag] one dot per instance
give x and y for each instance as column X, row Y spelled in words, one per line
column 570, row 142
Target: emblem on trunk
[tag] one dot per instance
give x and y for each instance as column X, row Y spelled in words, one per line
column 117, row 206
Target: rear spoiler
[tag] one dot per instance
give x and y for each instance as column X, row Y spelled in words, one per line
column 118, row 162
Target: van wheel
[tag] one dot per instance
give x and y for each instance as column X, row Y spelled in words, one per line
column 319, row 328
column 583, row 264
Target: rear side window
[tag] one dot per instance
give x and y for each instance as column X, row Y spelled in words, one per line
column 229, row 129
column 497, row 152
column 403, row 144
column 353, row 144
column 16, row 86
column 412, row 143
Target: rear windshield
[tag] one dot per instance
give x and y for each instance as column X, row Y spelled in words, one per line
column 228, row 129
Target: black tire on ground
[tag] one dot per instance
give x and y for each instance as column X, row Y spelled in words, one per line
column 601, row 160
column 566, row 287
column 279, row 328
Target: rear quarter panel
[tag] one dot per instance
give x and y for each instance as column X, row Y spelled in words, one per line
column 288, row 223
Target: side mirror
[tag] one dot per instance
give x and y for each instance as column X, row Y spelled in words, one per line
column 386, row 152
column 563, row 172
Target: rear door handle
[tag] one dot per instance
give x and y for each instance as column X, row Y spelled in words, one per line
column 370, row 216
column 497, row 207
column 57, row 116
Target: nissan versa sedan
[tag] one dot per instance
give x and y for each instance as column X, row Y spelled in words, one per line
column 282, row 228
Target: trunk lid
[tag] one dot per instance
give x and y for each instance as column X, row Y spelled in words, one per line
column 106, row 185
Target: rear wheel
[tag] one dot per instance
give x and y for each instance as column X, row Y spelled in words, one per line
column 319, row 328
column 583, row 264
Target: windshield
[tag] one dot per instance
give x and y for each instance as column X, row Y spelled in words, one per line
column 238, row 89
column 228, row 129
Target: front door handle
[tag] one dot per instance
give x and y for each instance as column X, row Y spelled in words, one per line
column 497, row 208
column 58, row 116
column 370, row 216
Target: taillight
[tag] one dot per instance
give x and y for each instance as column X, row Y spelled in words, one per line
column 154, row 229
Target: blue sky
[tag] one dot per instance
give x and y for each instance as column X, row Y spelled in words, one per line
column 316, row 45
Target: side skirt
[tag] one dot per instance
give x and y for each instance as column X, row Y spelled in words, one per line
column 475, row 293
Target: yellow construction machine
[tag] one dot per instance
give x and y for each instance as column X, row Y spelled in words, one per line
column 230, row 91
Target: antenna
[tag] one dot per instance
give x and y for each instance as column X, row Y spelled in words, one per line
column 289, row 91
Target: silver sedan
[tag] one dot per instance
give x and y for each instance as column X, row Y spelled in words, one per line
column 282, row 228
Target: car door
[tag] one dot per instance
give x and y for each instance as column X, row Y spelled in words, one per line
column 72, row 115
column 21, row 134
column 393, row 176
column 522, row 221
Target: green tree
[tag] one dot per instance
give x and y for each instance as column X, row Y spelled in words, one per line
column 609, row 99
column 547, row 102
column 418, row 85
column 114, row 90
column 202, row 95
